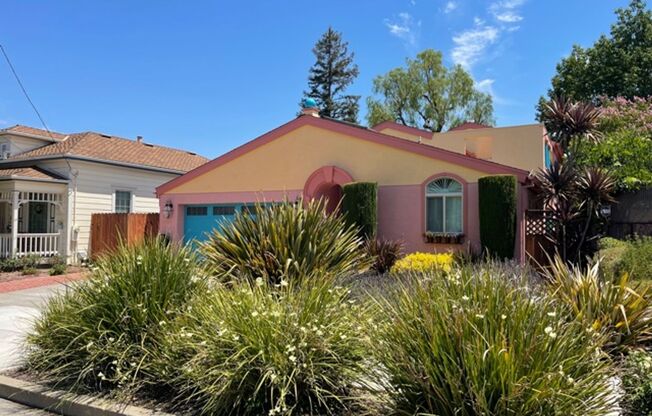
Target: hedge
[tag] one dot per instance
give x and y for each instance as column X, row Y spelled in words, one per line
column 359, row 206
column 497, row 199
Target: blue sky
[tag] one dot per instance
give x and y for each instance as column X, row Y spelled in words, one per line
column 208, row 76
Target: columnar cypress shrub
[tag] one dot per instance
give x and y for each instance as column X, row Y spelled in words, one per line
column 360, row 206
column 497, row 199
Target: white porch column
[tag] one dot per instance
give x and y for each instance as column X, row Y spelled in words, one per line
column 14, row 222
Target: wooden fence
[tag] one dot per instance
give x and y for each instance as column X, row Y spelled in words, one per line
column 107, row 230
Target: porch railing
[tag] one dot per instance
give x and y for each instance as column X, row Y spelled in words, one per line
column 39, row 244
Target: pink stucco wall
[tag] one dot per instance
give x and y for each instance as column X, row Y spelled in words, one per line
column 401, row 213
column 401, row 216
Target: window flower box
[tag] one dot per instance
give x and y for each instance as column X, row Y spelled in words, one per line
column 443, row 238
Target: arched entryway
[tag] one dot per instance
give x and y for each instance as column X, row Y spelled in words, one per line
column 326, row 182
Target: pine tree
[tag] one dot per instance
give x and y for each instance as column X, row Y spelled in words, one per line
column 329, row 77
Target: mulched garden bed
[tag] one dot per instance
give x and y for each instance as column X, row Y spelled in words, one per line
column 40, row 272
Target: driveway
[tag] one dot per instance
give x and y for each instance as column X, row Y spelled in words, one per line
column 17, row 312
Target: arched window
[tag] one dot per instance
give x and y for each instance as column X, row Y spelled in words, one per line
column 444, row 206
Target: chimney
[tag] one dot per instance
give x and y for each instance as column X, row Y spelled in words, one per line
column 309, row 108
column 310, row 111
column 139, row 139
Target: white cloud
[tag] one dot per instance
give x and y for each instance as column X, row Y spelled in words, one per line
column 450, row 6
column 404, row 28
column 486, row 85
column 506, row 11
column 471, row 45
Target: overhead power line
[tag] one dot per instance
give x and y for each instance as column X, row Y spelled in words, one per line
column 22, row 87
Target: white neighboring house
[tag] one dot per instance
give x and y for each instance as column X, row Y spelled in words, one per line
column 51, row 183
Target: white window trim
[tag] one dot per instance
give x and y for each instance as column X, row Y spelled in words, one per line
column 443, row 196
column 131, row 199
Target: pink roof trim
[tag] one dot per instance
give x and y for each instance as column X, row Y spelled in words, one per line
column 426, row 134
column 470, row 126
column 350, row 130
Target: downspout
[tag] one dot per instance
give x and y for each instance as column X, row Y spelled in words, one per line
column 73, row 227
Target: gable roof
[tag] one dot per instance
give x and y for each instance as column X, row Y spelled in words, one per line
column 103, row 148
column 21, row 130
column 31, row 173
column 348, row 129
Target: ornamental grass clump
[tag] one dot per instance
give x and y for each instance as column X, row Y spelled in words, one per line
column 255, row 349
column 478, row 343
column 619, row 310
column 285, row 241
column 101, row 333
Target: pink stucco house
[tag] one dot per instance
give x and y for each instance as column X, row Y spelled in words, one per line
column 426, row 181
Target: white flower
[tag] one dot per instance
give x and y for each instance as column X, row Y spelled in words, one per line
column 254, row 314
column 479, row 316
column 111, row 339
column 547, row 330
column 292, row 358
column 320, row 333
column 284, row 282
column 101, row 375
column 259, row 281
column 343, row 336
column 162, row 323
column 552, row 314
column 465, row 298
column 503, row 317
column 236, row 337
column 114, row 362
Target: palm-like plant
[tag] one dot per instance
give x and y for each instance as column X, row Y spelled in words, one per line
column 574, row 196
column 567, row 120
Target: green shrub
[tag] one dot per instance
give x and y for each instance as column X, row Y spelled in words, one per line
column 610, row 242
column 255, row 349
column 637, row 259
column 100, row 334
column 424, row 263
column 384, row 253
column 58, row 269
column 636, row 375
column 476, row 343
column 284, row 241
column 29, row 271
column 359, row 206
column 613, row 308
column 497, row 206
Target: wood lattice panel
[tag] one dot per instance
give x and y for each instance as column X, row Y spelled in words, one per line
column 539, row 222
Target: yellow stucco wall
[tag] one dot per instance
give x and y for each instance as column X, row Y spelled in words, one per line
column 286, row 163
column 517, row 146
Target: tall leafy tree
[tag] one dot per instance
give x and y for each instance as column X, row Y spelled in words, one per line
column 426, row 94
column 333, row 71
column 618, row 65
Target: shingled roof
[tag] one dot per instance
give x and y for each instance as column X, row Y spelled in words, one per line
column 101, row 147
column 32, row 131
column 31, row 172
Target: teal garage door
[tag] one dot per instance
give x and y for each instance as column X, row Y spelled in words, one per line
column 201, row 220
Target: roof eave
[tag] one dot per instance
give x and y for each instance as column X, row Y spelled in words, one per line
column 30, row 136
column 31, row 160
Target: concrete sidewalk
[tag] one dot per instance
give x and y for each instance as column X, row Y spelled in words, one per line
column 17, row 312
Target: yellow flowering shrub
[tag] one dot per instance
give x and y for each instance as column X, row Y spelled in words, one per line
column 423, row 262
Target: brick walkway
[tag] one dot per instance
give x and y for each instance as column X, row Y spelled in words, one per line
column 33, row 282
